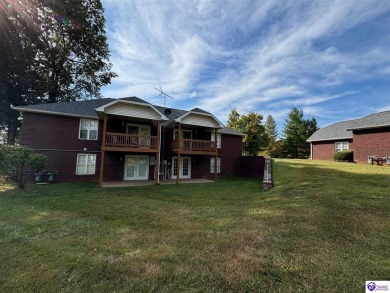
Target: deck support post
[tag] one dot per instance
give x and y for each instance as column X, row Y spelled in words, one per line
column 216, row 156
column 157, row 171
column 103, row 152
column 178, row 155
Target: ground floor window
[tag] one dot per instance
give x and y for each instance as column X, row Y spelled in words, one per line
column 212, row 165
column 341, row 146
column 86, row 164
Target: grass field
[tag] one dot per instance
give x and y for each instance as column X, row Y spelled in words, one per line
column 324, row 227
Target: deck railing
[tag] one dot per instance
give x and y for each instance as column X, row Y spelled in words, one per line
column 122, row 140
column 194, row 145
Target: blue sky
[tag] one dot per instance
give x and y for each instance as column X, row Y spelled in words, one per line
column 330, row 58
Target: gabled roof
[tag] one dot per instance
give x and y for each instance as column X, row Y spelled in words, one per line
column 84, row 109
column 344, row 129
column 335, row 131
column 175, row 113
column 194, row 117
column 89, row 108
column 131, row 108
column 375, row 120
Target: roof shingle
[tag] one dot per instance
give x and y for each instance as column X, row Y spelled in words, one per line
column 334, row 131
column 86, row 108
column 375, row 120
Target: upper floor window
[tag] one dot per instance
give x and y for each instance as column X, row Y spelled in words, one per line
column 341, row 146
column 218, row 139
column 88, row 129
column 186, row 134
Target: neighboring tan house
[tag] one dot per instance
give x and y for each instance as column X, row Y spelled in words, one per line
column 108, row 139
column 367, row 137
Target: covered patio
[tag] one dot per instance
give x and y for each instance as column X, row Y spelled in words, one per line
column 152, row 182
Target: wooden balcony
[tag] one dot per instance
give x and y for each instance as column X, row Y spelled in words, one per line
column 193, row 146
column 130, row 142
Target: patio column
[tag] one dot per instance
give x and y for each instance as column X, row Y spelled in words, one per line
column 178, row 155
column 103, row 152
column 216, row 156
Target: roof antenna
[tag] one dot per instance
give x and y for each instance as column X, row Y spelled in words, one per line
column 166, row 96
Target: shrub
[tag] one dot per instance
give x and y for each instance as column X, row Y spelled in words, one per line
column 16, row 161
column 346, row 155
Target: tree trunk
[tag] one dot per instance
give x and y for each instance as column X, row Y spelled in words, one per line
column 12, row 129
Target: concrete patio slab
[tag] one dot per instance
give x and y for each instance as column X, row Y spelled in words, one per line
column 152, row 182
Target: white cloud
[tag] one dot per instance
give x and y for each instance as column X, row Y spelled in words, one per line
column 249, row 55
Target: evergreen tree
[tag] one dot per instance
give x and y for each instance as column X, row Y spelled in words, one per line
column 296, row 131
column 234, row 120
column 51, row 51
column 251, row 125
column 271, row 132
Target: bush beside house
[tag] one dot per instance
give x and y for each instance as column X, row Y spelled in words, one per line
column 344, row 156
column 17, row 162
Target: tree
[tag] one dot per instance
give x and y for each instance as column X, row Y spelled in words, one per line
column 234, row 120
column 17, row 51
column 296, row 131
column 271, row 132
column 251, row 125
column 53, row 51
column 17, row 161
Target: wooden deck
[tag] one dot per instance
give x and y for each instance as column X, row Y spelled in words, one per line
column 130, row 142
column 194, row 146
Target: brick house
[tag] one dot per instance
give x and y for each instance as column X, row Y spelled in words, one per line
column 108, row 139
column 367, row 137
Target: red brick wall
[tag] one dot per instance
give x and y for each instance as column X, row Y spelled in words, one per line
column 372, row 142
column 230, row 152
column 324, row 150
column 252, row 166
column 57, row 137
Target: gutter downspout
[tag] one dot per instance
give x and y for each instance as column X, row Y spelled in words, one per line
column 311, row 151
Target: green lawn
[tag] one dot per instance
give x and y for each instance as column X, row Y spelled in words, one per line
column 324, row 227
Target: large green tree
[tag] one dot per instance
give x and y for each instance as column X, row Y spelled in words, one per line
column 271, row 131
column 296, row 131
column 251, row 125
column 51, row 51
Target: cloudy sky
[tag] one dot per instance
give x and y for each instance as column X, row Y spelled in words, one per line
column 330, row 58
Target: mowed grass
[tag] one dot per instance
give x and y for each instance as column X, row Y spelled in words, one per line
column 324, row 227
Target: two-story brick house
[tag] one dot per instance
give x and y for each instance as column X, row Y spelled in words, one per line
column 104, row 140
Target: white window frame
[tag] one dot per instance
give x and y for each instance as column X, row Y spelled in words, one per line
column 89, row 129
column 219, row 139
column 339, row 146
column 84, row 162
column 176, row 133
column 212, row 164
column 139, row 128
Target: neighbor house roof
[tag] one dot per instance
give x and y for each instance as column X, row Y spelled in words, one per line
column 375, row 120
column 335, row 131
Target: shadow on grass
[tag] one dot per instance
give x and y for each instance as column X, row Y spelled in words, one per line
column 332, row 223
column 319, row 228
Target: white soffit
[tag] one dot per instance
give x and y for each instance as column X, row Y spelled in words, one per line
column 132, row 109
column 200, row 119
